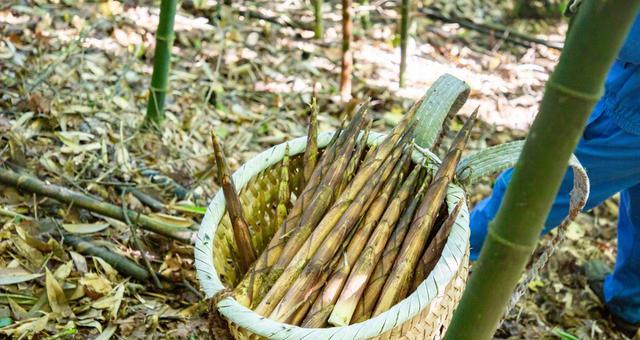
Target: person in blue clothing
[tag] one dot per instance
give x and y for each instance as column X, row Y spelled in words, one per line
column 610, row 152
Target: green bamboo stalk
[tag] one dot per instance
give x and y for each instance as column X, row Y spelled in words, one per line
column 347, row 52
column 435, row 247
column 308, row 267
column 404, row 31
column 161, row 62
column 311, row 151
column 241, row 233
column 34, row 185
column 321, row 308
column 363, row 268
column 398, row 282
column 381, row 271
column 365, row 18
column 571, row 92
column 318, row 28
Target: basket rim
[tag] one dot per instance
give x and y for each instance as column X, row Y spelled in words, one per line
column 433, row 286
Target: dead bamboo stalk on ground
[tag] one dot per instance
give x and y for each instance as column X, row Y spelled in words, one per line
column 362, row 269
column 34, row 185
column 241, row 234
column 398, row 282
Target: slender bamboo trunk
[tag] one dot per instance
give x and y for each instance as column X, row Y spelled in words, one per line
column 347, row 52
column 310, row 272
column 161, row 62
column 34, row 185
column 399, row 282
column 362, row 269
column 318, row 28
column 434, row 249
column 381, row 271
column 254, row 286
column 321, row 308
column 404, row 31
column 241, row 234
column 365, row 18
column 571, row 92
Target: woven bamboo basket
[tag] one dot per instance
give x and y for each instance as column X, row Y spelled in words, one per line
column 424, row 314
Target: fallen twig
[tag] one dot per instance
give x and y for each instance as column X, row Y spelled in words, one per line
column 34, row 185
column 490, row 28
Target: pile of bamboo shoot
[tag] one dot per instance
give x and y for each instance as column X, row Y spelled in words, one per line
column 364, row 232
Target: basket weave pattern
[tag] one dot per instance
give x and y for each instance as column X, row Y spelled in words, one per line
column 424, row 314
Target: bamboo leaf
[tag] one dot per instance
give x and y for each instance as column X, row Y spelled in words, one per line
column 55, row 295
column 194, row 209
column 9, row 276
column 85, row 228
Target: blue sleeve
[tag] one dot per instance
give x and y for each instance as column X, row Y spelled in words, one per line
column 630, row 51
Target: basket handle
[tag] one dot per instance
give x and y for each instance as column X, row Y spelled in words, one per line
column 443, row 99
column 503, row 156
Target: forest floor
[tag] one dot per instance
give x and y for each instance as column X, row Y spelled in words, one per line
column 75, row 78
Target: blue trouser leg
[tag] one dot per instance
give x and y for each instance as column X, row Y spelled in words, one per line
column 622, row 288
column 611, row 157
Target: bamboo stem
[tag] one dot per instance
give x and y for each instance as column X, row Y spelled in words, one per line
column 398, row 282
column 34, row 185
column 347, row 52
column 404, row 31
column 241, row 234
column 318, row 28
column 119, row 262
column 161, row 62
column 365, row 19
column 572, row 90
column 136, row 242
